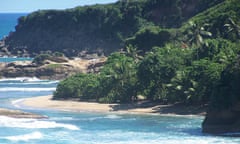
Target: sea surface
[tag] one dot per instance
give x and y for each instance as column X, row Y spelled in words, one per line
column 8, row 21
column 90, row 127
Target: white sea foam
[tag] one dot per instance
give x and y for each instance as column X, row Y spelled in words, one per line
column 33, row 124
column 17, row 102
column 25, row 137
column 173, row 141
column 27, row 80
column 21, row 79
column 32, row 83
column 112, row 116
column 64, row 118
column 5, row 89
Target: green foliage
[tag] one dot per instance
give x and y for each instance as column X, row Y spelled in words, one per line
column 118, row 83
column 218, row 50
column 226, row 93
column 54, row 66
column 82, row 86
column 149, row 37
column 58, row 54
column 219, row 19
column 172, row 13
column 233, row 30
column 39, row 60
column 103, row 28
column 195, row 63
column 158, row 68
column 196, row 34
column 203, row 75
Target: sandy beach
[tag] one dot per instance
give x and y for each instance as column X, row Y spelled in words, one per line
column 134, row 108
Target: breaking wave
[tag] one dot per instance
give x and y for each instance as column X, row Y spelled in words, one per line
column 33, row 124
column 25, row 137
column 7, row 89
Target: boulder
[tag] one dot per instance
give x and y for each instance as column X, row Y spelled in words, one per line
column 222, row 121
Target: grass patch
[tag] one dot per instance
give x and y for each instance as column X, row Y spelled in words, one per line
column 53, row 66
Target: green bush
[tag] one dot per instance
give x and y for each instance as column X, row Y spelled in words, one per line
column 118, row 79
column 149, row 37
column 158, row 68
column 82, row 86
column 39, row 60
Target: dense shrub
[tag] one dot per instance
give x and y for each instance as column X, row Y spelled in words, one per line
column 149, row 37
column 39, row 60
column 82, row 86
column 118, row 79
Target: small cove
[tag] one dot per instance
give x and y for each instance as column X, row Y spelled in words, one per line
column 93, row 127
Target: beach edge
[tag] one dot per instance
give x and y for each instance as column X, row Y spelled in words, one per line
column 46, row 102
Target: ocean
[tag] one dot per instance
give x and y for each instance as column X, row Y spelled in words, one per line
column 8, row 21
column 91, row 127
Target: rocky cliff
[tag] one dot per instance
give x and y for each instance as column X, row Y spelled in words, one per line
column 224, row 111
column 222, row 121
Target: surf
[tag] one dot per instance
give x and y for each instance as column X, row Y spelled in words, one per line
column 33, row 124
column 26, row 137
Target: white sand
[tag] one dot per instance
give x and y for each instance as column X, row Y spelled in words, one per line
column 134, row 108
column 67, row 105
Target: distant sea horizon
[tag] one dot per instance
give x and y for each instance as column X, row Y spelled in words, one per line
column 8, row 21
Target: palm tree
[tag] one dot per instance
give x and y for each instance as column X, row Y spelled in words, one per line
column 196, row 33
column 133, row 52
column 233, row 27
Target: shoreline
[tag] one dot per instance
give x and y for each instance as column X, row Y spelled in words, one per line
column 19, row 114
column 46, row 102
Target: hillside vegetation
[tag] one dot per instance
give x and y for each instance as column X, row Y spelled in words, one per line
column 99, row 28
column 185, row 64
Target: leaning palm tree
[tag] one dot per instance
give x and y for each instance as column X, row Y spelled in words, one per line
column 233, row 27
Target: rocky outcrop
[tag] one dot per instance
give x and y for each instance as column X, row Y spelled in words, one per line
column 222, row 121
column 19, row 114
column 50, row 69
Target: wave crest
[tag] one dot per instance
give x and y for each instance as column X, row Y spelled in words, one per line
column 6, row 89
column 33, row 124
column 25, row 137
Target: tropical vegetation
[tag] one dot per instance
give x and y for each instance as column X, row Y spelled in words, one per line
column 171, row 53
column 187, row 64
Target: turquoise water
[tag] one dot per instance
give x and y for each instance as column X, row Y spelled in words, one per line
column 12, row 59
